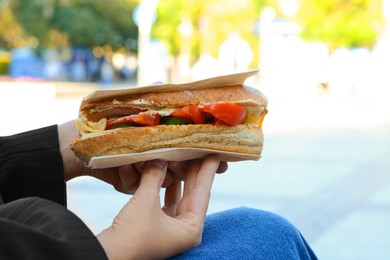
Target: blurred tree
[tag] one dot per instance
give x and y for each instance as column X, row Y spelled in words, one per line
column 11, row 32
column 209, row 23
column 77, row 22
column 34, row 17
column 348, row 23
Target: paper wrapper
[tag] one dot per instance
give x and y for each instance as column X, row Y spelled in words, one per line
column 221, row 81
column 170, row 154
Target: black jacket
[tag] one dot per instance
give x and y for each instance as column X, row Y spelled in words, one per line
column 34, row 221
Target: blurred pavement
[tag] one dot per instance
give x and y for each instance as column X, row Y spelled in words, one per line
column 325, row 167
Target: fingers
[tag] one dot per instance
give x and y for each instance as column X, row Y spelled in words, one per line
column 198, row 185
column 172, row 197
column 192, row 172
column 200, row 192
column 152, row 179
column 180, row 168
column 223, row 166
column 129, row 178
column 126, row 178
column 140, row 168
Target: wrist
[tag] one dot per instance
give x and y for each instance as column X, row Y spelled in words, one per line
column 73, row 167
column 116, row 247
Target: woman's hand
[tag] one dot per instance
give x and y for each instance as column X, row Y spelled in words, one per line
column 125, row 179
column 144, row 230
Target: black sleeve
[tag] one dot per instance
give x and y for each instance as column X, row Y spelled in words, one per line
column 34, row 224
column 34, row 228
column 31, row 166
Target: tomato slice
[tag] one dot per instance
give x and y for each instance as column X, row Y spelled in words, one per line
column 191, row 113
column 228, row 113
column 142, row 119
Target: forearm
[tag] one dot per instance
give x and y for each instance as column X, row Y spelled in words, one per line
column 31, row 166
column 41, row 229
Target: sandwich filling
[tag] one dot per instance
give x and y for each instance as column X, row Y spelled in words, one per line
column 215, row 113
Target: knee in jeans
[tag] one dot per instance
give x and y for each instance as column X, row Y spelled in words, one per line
column 269, row 222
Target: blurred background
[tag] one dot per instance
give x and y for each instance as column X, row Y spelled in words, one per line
column 324, row 65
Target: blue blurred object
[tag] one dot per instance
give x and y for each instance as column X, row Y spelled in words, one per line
column 24, row 63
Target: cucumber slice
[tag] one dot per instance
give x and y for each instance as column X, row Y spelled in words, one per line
column 170, row 120
column 121, row 126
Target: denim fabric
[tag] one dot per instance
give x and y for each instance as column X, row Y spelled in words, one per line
column 246, row 233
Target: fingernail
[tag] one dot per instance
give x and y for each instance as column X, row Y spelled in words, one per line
column 159, row 163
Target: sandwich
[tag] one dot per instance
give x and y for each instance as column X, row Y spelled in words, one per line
column 219, row 114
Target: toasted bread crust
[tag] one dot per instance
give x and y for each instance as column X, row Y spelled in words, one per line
column 246, row 139
column 232, row 94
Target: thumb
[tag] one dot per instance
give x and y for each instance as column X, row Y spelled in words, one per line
column 152, row 179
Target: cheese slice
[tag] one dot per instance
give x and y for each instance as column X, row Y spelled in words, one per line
column 86, row 127
column 252, row 115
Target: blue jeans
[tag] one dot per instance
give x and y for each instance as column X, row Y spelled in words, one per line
column 246, row 233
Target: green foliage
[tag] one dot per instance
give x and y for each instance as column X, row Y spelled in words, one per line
column 211, row 20
column 348, row 23
column 9, row 29
column 33, row 15
column 82, row 22
column 86, row 28
column 55, row 23
column 166, row 27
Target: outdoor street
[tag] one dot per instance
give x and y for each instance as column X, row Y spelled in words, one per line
column 325, row 167
column 323, row 65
